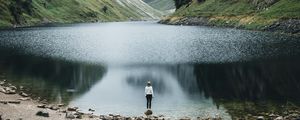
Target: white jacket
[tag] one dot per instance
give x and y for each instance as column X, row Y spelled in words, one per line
column 149, row 90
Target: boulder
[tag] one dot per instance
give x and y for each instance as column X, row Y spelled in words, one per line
column 148, row 112
column 42, row 113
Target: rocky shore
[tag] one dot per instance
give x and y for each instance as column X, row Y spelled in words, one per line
column 15, row 104
column 291, row 26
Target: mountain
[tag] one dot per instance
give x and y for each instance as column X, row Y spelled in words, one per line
column 162, row 5
column 269, row 15
column 33, row 12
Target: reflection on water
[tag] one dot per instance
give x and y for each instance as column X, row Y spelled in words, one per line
column 50, row 79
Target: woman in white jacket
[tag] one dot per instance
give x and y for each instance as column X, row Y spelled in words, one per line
column 149, row 94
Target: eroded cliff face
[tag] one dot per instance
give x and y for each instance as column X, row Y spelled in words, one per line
column 270, row 15
column 32, row 12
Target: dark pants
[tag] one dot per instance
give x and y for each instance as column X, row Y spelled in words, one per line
column 149, row 99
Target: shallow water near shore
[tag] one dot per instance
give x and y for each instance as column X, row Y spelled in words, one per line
column 196, row 71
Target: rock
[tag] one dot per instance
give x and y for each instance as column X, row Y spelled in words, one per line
column 24, row 99
column 2, row 90
column 279, row 118
column 260, row 118
column 9, row 90
column 42, row 113
column 70, row 115
column 2, row 83
column 91, row 110
column 41, row 106
column 60, row 105
column 72, row 108
column 148, row 112
column 13, row 87
column 185, row 118
column 11, row 101
column 23, row 94
column 53, row 108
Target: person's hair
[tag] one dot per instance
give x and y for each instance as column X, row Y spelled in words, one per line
column 148, row 83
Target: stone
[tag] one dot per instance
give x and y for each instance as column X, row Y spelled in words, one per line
column 24, row 99
column 91, row 110
column 60, row 105
column 41, row 106
column 70, row 115
column 260, row 118
column 42, row 113
column 23, row 94
column 185, row 118
column 9, row 90
column 72, row 108
column 148, row 112
column 53, row 108
column 279, row 118
column 13, row 87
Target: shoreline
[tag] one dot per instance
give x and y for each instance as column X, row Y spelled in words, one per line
column 15, row 104
column 289, row 26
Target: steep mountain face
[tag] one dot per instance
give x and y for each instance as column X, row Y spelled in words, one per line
column 162, row 5
column 271, row 15
column 32, row 12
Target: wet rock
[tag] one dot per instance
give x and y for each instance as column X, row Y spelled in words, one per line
column 91, row 110
column 185, row 118
column 148, row 112
column 72, row 108
column 13, row 87
column 41, row 106
column 23, row 94
column 60, row 105
column 9, row 90
column 2, row 83
column 279, row 118
column 42, row 113
column 260, row 118
column 53, row 108
column 24, row 99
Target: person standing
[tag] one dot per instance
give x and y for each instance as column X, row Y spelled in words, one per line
column 149, row 94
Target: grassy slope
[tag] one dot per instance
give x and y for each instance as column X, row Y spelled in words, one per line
column 69, row 11
column 161, row 4
column 240, row 12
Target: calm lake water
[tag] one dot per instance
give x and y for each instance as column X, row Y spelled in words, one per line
column 195, row 70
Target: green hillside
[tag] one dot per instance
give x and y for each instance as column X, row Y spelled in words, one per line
column 249, row 14
column 32, row 12
column 161, row 4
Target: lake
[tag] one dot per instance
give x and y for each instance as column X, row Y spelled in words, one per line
column 196, row 71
